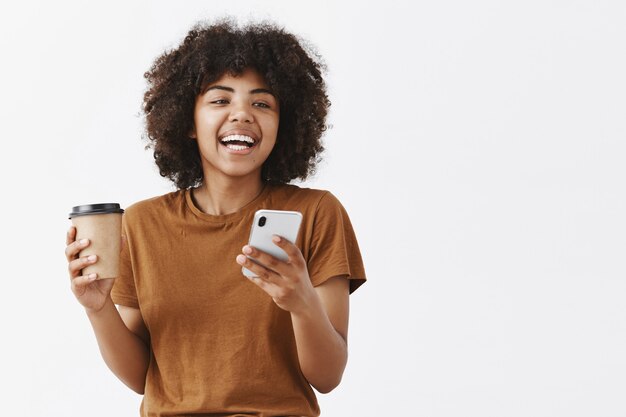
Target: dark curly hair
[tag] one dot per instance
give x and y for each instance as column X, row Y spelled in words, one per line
column 291, row 68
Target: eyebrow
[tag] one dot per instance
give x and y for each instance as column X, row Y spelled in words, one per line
column 232, row 90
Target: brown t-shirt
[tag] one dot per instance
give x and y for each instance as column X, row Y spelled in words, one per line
column 219, row 344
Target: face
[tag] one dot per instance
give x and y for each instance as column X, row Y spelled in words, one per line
column 236, row 123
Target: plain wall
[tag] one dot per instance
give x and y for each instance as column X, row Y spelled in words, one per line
column 479, row 148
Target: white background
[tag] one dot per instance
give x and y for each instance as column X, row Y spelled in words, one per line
column 479, row 147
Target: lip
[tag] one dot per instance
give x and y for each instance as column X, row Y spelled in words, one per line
column 243, row 132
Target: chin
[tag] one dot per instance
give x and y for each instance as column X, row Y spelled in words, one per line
column 239, row 172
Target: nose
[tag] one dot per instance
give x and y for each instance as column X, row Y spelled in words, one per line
column 241, row 113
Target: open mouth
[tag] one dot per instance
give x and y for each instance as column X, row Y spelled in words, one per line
column 238, row 142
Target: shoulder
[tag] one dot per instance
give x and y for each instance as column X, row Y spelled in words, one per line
column 155, row 206
column 312, row 198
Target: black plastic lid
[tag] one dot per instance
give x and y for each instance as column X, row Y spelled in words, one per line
column 106, row 208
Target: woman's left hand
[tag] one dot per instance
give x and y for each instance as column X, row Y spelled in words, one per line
column 287, row 282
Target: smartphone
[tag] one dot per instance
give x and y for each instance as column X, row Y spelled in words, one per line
column 268, row 223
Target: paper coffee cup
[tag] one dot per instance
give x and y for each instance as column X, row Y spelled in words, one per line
column 102, row 225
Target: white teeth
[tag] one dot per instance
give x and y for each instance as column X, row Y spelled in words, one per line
column 240, row 138
column 236, row 147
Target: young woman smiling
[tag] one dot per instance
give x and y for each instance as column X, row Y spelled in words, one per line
column 233, row 115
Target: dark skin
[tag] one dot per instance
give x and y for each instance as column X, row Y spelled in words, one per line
column 232, row 178
column 319, row 314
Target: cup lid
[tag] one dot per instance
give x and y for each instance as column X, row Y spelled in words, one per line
column 105, row 208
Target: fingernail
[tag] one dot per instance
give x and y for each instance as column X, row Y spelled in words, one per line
column 276, row 239
column 241, row 259
column 92, row 277
column 84, row 241
column 247, row 250
column 91, row 258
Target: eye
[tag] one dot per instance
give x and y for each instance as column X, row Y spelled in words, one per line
column 219, row 101
column 262, row 105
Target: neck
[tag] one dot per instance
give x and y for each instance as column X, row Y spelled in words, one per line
column 219, row 195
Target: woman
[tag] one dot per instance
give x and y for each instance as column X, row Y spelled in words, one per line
column 233, row 114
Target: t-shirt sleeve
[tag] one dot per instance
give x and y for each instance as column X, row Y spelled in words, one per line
column 124, row 291
column 334, row 250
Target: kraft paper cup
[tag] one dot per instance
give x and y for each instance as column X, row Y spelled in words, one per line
column 102, row 225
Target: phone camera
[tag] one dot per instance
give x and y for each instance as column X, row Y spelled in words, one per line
column 262, row 221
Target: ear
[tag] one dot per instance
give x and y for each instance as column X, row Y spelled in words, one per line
column 192, row 133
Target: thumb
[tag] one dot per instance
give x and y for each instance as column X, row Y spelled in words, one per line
column 79, row 284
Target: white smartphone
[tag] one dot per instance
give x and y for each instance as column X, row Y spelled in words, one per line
column 268, row 223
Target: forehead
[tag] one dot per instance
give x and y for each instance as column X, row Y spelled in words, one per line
column 249, row 78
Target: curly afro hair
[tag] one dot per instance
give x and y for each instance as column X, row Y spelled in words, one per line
column 291, row 68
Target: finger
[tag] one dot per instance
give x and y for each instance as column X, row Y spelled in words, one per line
column 264, row 284
column 270, row 262
column 76, row 265
column 79, row 284
column 72, row 249
column 71, row 235
column 258, row 270
column 292, row 251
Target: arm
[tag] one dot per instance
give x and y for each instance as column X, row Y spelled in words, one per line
column 319, row 315
column 122, row 339
column 321, row 335
column 122, row 336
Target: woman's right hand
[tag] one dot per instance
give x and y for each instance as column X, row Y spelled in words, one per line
column 91, row 292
